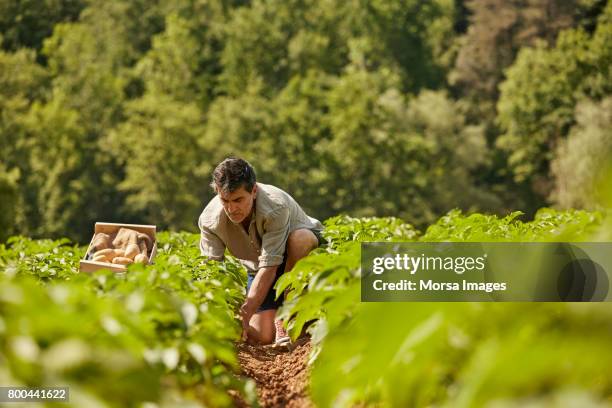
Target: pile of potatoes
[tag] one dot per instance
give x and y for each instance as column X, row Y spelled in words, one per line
column 124, row 247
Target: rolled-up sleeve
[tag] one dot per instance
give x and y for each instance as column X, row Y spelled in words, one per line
column 274, row 239
column 211, row 245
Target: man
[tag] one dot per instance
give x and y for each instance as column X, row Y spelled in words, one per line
column 266, row 230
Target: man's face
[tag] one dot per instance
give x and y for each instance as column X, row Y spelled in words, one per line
column 237, row 204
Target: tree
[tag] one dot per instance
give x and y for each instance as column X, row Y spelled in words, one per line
column 538, row 99
column 55, row 180
column 182, row 62
column 22, row 82
column 159, row 149
column 89, row 63
column 26, row 23
column 9, row 201
column 242, row 126
column 497, row 30
column 414, row 158
column 272, row 41
column 583, row 162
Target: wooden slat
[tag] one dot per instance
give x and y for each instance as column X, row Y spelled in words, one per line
column 91, row 266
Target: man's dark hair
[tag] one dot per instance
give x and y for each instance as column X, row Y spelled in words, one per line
column 232, row 173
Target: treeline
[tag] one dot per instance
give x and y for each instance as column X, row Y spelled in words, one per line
column 120, row 110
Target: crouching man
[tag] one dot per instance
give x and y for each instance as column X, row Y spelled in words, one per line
column 265, row 228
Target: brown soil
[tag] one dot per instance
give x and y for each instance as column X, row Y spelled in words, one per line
column 281, row 374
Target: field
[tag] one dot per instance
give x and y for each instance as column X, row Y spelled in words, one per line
column 167, row 334
column 439, row 113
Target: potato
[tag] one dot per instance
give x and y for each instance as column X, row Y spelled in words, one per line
column 121, row 260
column 101, row 258
column 101, row 241
column 103, row 252
column 143, row 247
column 124, row 237
column 131, row 251
column 141, row 258
column 147, row 240
column 118, row 252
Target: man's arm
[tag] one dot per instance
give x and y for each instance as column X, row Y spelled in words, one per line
column 211, row 245
column 257, row 293
column 274, row 239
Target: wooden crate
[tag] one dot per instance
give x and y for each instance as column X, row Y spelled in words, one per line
column 110, row 228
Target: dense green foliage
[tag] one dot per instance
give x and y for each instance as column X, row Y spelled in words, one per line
column 165, row 333
column 161, row 333
column 582, row 181
column 544, row 85
column 120, row 110
column 466, row 354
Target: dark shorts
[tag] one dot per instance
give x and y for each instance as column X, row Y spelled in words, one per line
column 269, row 302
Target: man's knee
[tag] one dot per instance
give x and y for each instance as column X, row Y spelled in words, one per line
column 301, row 242
column 261, row 327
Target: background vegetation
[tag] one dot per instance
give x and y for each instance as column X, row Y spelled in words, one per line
column 120, row 110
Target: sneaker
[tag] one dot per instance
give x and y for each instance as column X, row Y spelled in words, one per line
column 282, row 338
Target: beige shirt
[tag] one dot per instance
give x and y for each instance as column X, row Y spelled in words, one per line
column 276, row 215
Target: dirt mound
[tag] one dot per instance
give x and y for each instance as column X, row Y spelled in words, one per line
column 281, row 375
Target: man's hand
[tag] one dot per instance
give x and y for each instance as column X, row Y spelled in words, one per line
column 247, row 310
column 259, row 288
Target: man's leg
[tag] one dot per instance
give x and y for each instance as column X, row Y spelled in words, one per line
column 299, row 244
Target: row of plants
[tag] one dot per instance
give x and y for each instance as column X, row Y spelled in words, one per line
column 160, row 335
column 164, row 334
column 448, row 354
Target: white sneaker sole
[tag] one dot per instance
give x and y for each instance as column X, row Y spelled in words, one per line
column 283, row 341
